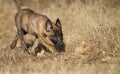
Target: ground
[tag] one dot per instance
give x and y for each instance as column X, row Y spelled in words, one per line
column 91, row 30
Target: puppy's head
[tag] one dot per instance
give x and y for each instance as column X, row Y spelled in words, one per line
column 55, row 34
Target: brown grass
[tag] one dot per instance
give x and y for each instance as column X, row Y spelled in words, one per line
column 91, row 32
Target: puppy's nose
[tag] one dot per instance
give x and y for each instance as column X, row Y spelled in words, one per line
column 62, row 45
column 62, row 48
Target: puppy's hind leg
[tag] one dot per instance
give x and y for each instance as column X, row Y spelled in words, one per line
column 13, row 44
column 23, row 44
column 21, row 32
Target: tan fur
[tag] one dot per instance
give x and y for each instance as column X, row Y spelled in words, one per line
column 36, row 23
column 30, row 22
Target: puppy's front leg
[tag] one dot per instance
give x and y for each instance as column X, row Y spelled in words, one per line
column 46, row 42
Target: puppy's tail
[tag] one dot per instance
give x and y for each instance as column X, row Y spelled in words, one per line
column 17, row 4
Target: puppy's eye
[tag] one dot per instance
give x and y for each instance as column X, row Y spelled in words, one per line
column 52, row 37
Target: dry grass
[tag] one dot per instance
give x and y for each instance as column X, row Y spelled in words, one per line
column 91, row 32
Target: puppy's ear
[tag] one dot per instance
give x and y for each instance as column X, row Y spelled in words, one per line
column 48, row 26
column 58, row 23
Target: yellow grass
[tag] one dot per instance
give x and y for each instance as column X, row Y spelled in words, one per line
column 91, row 33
